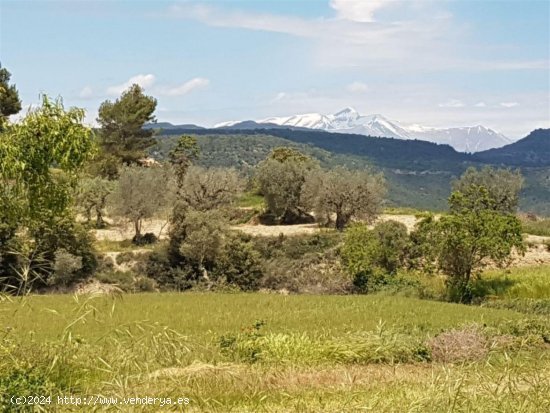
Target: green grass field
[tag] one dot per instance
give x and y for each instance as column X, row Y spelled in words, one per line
column 521, row 283
column 275, row 353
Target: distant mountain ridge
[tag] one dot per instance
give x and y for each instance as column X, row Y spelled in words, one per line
column 170, row 126
column 463, row 139
column 419, row 173
column 533, row 150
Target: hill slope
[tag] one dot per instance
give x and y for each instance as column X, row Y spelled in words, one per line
column 419, row 173
column 533, row 150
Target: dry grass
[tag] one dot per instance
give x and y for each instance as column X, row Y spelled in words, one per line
column 456, row 346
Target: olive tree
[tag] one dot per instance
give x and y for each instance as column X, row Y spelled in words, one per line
column 200, row 189
column 502, row 185
column 281, row 178
column 205, row 239
column 92, row 197
column 142, row 193
column 204, row 189
column 345, row 194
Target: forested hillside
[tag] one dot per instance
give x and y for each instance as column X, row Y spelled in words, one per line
column 533, row 150
column 419, row 173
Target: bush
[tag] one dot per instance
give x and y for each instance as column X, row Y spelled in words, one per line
column 53, row 255
column 125, row 257
column 145, row 284
column 30, row 369
column 169, row 274
column 303, row 264
column 145, row 239
column 105, row 263
column 23, row 382
column 295, row 247
column 239, row 263
column 123, row 280
column 369, row 280
column 66, row 267
column 373, row 257
column 314, row 273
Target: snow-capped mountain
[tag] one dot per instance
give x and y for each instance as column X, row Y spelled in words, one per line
column 463, row 139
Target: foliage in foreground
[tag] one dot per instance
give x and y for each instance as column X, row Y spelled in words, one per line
column 95, row 351
column 36, row 219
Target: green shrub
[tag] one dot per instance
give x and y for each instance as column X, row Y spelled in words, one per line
column 144, row 284
column 239, row 263
column 105, row 263
column 66, row 267
column 125, row 257
column 160, row 265
column 295, row 247
column 123, row 280
column 374, row 256
column 318, row 273
column 145, row 239
column 23, row 382
column 29, row 368
column 539, row 328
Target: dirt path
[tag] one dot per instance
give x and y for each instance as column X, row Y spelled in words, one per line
column 123, row 232
column 537, row 253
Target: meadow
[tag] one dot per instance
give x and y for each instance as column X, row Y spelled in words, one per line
column 270, row 352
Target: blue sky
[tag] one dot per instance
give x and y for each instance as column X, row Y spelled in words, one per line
column 433, row 62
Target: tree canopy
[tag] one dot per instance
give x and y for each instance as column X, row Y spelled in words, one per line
column 122, row 135
column 40, row 159
column 205, row 189
column 140, row 194
column 281, row 178
column 10, row 104
column 480, row 229
column 343, row 193
column 502, row 186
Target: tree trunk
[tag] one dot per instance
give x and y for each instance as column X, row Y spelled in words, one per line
column 88, row 215
column 99, row 223
column 137, row 227
column 204, row 271
column 341, row 221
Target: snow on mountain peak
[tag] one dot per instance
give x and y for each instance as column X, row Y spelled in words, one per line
column 348, row 112
column 348, row 120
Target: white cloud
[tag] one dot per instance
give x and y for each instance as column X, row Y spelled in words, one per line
column 420, row 34
column 509, row 104
column 278, row 97
column 480, row 105
column 358, row 10
column 357, row 87
column 86, row 92
column 185, row 88
column 452, row 103
column 144, row 81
